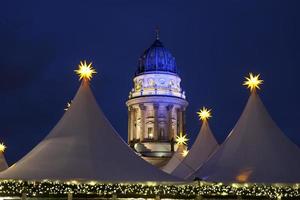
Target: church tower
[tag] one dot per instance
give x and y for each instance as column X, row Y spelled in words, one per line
column 156, row 105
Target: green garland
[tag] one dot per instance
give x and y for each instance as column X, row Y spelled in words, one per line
column 150, row 190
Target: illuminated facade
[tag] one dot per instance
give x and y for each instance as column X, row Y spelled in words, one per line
column 156, row 106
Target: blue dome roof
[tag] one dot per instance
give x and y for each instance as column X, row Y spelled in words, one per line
column 156, row 58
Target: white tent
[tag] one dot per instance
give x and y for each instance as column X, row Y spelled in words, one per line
column 204, row 145
column 84, row 146
column 175, row 160
column 3, row 163
column 256, row 150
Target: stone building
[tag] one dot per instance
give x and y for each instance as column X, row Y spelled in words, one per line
column 156, row 105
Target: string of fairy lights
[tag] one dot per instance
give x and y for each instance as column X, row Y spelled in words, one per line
column 48, row 188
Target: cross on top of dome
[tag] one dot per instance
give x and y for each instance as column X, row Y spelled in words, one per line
column 157, row 33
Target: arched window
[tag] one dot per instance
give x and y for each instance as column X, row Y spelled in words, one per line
column 150, row 133
column 161, row 133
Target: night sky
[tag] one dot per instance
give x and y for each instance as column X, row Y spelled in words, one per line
column 215, row 43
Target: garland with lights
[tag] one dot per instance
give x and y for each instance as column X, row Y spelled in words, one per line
column 192, row 190
column 57, row 189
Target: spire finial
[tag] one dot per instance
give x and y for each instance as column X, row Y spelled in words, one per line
column 157, row 32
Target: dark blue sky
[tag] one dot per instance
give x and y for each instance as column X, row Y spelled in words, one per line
column 216, row 43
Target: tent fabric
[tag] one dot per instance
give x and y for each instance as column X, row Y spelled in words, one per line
column 175, row 160
column 3, row 163
column 84, row 146
column 204, row 145
column 256, row 150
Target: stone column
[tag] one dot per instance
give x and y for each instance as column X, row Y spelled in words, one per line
column 141, row 136
column 133, row 122
column 169, row 122
column 174, row 114
column 155, row 133
column 183, row 120
column 129, row 137
column 179, row 121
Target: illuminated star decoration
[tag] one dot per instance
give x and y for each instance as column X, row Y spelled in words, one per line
column 184, row 153
column 85, row 71
column 253, row 82
column 181, row 139
column 68, row 105
column 204, row 114
column 2, row 147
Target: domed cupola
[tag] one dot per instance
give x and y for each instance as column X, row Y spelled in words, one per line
column 156, row 105
column 156, row 58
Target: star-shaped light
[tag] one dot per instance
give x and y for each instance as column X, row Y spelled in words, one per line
column 184, row 153
column 68, row 105
column 253, row 82
column 85, row 71
column 181, row 139
column 2, row 147
column 204, row 114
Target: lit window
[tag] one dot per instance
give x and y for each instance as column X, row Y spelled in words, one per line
column 150, row 133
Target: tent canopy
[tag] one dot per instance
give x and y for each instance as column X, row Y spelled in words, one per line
column 3, row 163
column 84, row 146
column 204, row 145
column 256, row 150
column 175, row 160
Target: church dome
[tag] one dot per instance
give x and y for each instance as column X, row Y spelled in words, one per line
column 156, row 59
